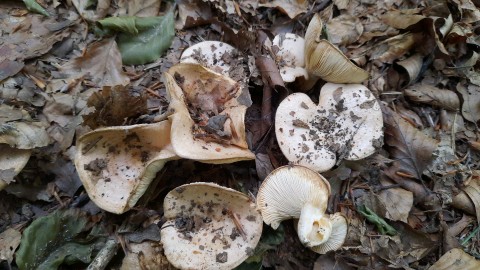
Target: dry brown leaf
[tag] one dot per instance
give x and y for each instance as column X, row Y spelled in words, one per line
column 426, row 93
column 12, row 161
column 398, row 203
column 344, row 30
column 139, row 8
column 194, row 10
column 403, row 18
column 412, row 65
column 456, row 259
column 102, row 62
column 9, row 241
column 24, row 135
column 393, row 48
column 114, row 105
column 472, row 192
column 290, row 7
column 410, row 147
column 329, row 261
column 471, row 101
column 92, row 15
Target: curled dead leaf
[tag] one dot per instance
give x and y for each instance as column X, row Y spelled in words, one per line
column 425, row 93
column 456, row 259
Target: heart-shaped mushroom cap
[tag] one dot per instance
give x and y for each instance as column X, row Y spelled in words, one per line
column 209, row 227
column 346, row 124
column 207, row 115
column 117, row 164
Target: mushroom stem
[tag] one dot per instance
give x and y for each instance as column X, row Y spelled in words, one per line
column 314, row 228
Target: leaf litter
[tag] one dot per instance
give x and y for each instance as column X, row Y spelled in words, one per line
column 62, row 76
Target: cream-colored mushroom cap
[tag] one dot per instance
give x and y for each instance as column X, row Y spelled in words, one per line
column 210, row 54
column 338, row 234
column 209, row 227
column 294, row 192
column 117, row 164
column 346, row 124
column 325, row 60
column 208, row 115
column 290, row 56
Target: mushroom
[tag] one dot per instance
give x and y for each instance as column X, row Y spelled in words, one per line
column 209, row 227
column 298, row 192
column 207, row 115
column 346, row 124
column 214, row 55
column 325, row 60
column 290, row 56
column 117, row 164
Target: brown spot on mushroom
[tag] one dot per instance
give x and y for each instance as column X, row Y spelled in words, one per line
column 300, row 123
column 222, row 257
column 304, row 105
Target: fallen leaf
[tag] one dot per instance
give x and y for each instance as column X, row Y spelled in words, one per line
column 331, row 262
column 193, row 9
column 398, row 202
column 425, row 93
column 344, row 30
column 12, row 161
column 24, row 135
column 48, row 241
column 139, row 8
column 412, row 65
column 263, row 165
column 150, row 43
column 393, row 48
column 102, row 62
column 290, row 7
column 410, row 147
column 456, row 259
column 66, row 177
column 90, row 13
column 402, row 18
column 33, row 6
column 470, row 196
column 471, row 101
column 114, row 105
column 9, row 241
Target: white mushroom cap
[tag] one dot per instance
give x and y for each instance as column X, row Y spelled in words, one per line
column 117, row 164
column 346, row 124
column 209, row 227
column 295, row 192
column 338, row 234
column 198, row 88
column 209, row 54
column 290, row 56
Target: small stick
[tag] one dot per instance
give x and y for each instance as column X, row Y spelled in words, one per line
column 237, row 224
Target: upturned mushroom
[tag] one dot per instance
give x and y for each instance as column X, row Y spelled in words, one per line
column 300, row 193
column 325, row 60
column 207, row 115
column 209, row 227
column 117, row 164
column 346, row 124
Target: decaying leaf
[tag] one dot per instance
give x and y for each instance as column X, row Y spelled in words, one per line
column 102, row 62
column 344, row 30
column 139, row 8
column 12, row 161
column 469, row 199
column 32, row 5
column 412, row 65
column 290, row 7
column 393, row 48
column 92, row 11
column 456, row 259
column 9, row 241
column 48, row 241
column 425, row 93
column 402, row 18
column 24, row 135
column 411, row 148
column 114, row 105
column 471, row 101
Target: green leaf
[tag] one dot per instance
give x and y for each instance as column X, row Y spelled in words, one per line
column 48, row 241
column 153, row 39
column 122, row 24
column 382, row 226
column 33, row 6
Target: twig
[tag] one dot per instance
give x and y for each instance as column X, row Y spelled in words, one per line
column 237, row 224
column 104, row 256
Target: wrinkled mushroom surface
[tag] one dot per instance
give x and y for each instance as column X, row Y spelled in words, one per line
column 208, row 115
column 209, row 227
column 346, row 124
column 290, row 56
column 338, row 234
column 116, row 164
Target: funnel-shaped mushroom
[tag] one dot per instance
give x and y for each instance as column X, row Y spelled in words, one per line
column 325, row 60
column 209, row 227
column 208, row 115
column 117, row 164
column 298, row 192
column 346, row 124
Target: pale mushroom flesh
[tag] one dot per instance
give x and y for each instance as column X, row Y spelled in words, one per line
column 209, row 227
column 117, row 164
column 346, row 124
column 290, row 57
